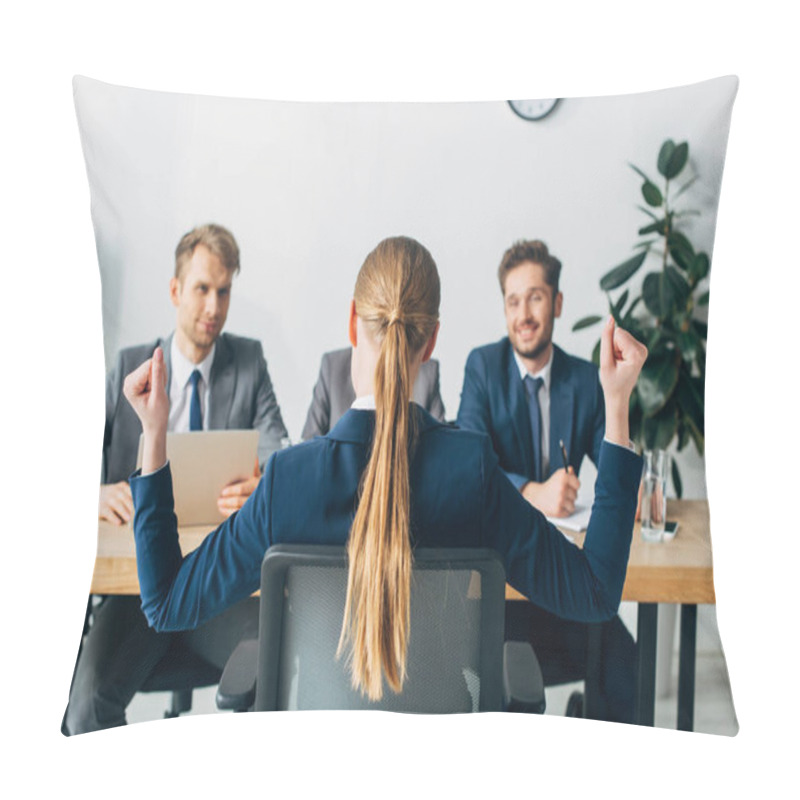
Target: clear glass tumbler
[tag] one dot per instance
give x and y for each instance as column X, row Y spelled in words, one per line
column 654, row 494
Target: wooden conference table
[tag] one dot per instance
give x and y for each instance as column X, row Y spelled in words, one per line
column 678, row 572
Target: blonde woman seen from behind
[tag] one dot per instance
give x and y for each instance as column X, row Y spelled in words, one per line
column 395, row 317
column 412, row 481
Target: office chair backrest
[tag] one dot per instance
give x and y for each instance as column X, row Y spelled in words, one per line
column 455, row 645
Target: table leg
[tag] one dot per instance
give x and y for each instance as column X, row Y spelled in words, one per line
column 646, row 630
column 686, row 668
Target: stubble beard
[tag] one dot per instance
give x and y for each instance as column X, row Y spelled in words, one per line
column 533, row 352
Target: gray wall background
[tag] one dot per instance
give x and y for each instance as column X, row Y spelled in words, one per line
column 309, row 188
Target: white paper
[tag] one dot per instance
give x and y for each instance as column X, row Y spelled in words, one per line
column 577, row 521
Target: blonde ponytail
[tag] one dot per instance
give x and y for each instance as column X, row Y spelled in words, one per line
column 397, row 296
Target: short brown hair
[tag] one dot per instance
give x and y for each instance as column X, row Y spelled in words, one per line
column 217, row 239
column 537, row 253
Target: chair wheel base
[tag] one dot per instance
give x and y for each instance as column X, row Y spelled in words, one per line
column 575, row 705
column 181, row 702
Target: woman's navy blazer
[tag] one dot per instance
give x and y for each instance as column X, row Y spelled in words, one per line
column 459, row 498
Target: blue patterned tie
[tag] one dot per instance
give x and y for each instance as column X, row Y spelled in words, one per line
column 195, row 413
column 532, row 386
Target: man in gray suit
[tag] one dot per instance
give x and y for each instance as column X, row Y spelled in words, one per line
column 334, row 393
column 215, row 381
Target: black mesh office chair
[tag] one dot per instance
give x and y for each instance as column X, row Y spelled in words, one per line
column 457, row 660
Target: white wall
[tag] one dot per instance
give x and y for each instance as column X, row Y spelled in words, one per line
column 308, row 189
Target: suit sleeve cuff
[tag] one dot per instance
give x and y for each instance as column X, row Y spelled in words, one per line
column 518, row 480
column 621, row 466
column 630, row 445
column 154, row 484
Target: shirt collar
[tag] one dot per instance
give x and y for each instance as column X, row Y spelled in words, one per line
column 543, row 373
column 182, row 368
column 365, row 403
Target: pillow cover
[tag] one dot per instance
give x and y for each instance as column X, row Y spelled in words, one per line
column 624, row 190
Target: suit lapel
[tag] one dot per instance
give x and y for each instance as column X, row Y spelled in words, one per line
column 562, row 401
column 518, row 411
column 223, row 383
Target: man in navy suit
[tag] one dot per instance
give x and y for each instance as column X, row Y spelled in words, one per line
column 529, row 396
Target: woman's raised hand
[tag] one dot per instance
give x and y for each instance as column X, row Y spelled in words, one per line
column 146, row 390
column 621, row 361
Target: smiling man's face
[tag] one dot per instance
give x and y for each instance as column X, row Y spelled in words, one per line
column 530, row 308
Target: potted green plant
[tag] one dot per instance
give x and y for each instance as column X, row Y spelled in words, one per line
column 668, row 402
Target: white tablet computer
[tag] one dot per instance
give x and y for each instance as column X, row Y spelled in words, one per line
column 202, row 464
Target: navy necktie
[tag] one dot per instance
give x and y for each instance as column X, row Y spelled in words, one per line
column 195, row 412
column 532, row 386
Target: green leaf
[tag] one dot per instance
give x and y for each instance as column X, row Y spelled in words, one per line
column 648, row 243
column 689, row 344
column 586, row 322
column 629, row 315
column 627, row 320
column 664, row 155
column 596, row 354
column 679, row 287
column 701, row 362
column 676, row 479
column 651, row 293
column 699, row 267
column 677, row 161
column 691, row 404
column 620, row 304
column 617, row 276
column 660, row 226
column 679, row 240
column 653, row 339
column 652, row 194
column 664, row 292
column 701, row 328
column 656, row 383
column 681, row 250
column 659, row 430
column 680, row 259
column 639, row 172
column 703, row 299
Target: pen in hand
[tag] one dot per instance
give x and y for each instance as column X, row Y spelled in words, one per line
column 564, row 455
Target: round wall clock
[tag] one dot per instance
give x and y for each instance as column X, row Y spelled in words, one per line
column 533, row 109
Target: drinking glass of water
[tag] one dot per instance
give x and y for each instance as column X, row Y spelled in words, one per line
column 654, row 494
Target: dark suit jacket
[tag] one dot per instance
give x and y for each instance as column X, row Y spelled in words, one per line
column 334, row 393
column 493, row 401
column 241, row 397
column 459, row 498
